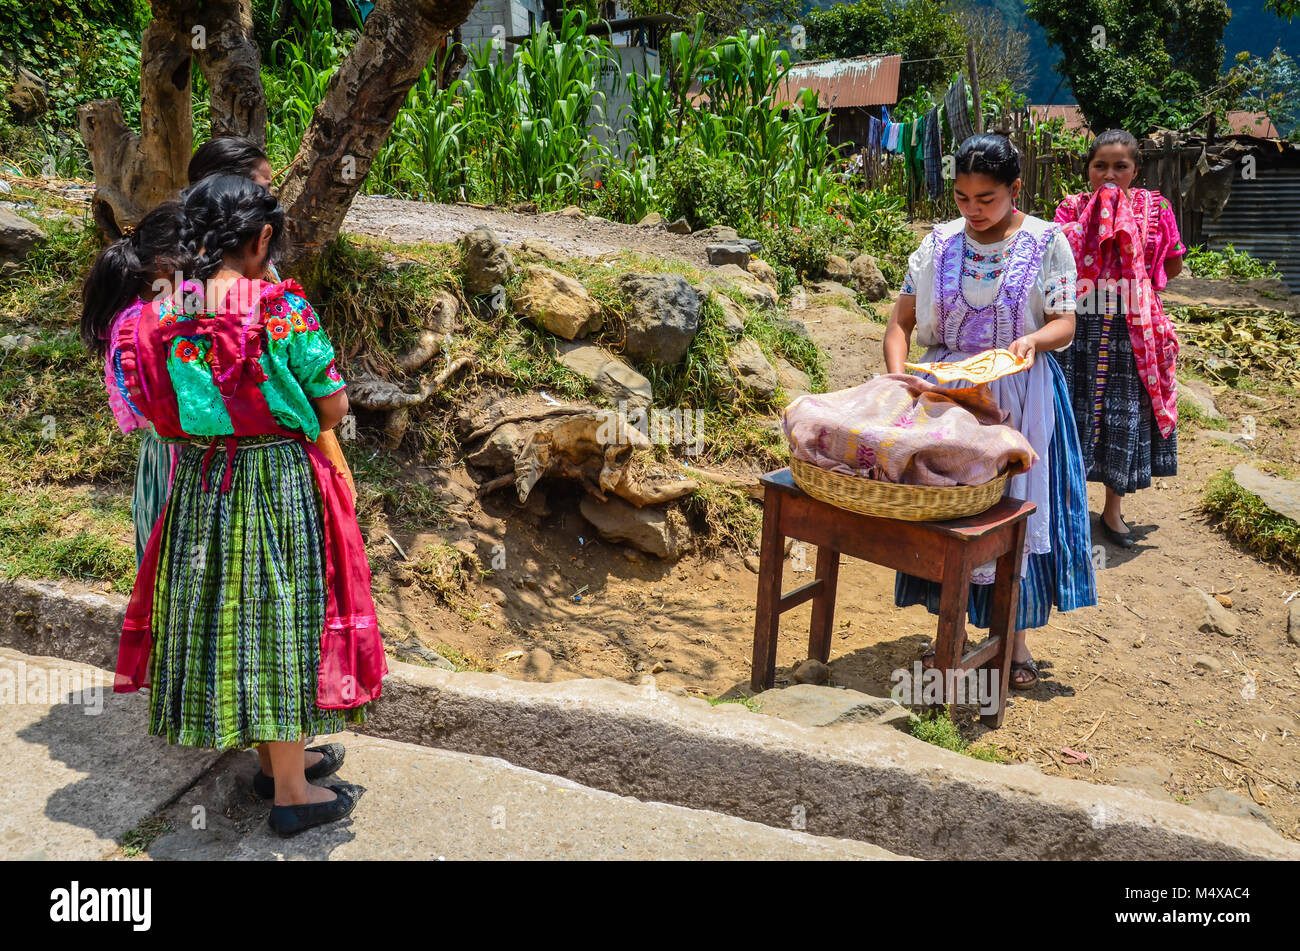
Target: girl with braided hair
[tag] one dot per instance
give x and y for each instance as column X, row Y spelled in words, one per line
column 251, row 619
column 122, row 279
column 236, row 155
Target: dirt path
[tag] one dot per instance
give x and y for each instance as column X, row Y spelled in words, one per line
column 402, row 221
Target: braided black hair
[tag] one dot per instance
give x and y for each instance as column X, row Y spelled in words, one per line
column 226, row 155
column 224, row 213
column 127, row 268
column 991, row 155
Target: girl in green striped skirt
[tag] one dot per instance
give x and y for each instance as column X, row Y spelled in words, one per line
column 251, row 618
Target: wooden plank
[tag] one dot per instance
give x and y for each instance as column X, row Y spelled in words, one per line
column 950, row 640
column 767, row 616
column 799, row 595
column 1002, row 621
column 823, row 612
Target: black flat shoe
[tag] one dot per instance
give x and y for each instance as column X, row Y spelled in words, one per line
column 1122, row 539
column 290, row 820
column 331, row 758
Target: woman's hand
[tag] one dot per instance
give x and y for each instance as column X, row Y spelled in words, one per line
column 1024, row 348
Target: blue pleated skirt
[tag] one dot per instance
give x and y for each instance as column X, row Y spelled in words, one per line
column 1063, row 577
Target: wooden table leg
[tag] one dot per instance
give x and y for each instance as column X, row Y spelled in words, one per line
column 1002, row 624
column 823, row 609
column 767, row 614
column 950, row 640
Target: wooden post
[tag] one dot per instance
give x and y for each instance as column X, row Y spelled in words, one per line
column 975, row 88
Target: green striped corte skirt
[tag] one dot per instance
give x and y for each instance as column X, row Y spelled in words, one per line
column 153, row 469
column 239, row 604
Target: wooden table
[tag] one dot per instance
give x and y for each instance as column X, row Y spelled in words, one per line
column 937, row 551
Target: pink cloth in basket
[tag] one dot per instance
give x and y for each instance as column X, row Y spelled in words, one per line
column 900, row 428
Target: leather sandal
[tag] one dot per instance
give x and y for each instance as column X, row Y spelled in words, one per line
column 290, row 820
column 331, row 758
column 1028, row 666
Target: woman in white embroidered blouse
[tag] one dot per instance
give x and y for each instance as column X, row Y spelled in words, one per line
column 998, row 278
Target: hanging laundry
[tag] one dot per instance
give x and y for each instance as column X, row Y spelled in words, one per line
column 875, row 133
column 914, row 150
column 959, row 119
column 933, row 154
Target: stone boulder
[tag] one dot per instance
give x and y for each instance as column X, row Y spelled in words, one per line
column 662, row 319
column 500, row 449
column 486, row 261
column 542, row 249
column 733, row 315
column 656, row 531
column 812, row 706
column 793, row 380
column 752, row 372
column 1199, row 395
column 680, row 226
column 611, row 376
column 728, row 252
column 838, row 269
column 17, row 236
column 652, row 220
column 868, row 279
column 737, row 278
column 557, row 303
column 26, row 97
column 765, row 273
column 718, row 233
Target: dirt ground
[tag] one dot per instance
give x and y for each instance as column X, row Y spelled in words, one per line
column 1120, row 681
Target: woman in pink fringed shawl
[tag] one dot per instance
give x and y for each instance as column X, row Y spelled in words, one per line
column 1121, row 367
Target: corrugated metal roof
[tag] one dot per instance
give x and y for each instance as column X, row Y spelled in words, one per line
column 1238, row 121
column 1259, row 219
column 844, row 83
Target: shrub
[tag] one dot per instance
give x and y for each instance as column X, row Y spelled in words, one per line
column 705, row 190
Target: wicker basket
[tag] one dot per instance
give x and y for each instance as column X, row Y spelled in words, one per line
column 909, row 503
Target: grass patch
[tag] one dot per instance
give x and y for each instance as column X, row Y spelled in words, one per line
column 749, row 703
column 938, row 729
column 1189, row 412
column 463, row 661
column 1251, row 523
column 139, row 839
column 52, row 533
column 731, row 518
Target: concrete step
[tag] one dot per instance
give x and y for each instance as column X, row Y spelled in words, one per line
column 83, row 773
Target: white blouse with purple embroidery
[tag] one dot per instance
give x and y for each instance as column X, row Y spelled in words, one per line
column 982, row 270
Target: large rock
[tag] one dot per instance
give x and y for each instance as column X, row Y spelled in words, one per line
column 486, row 261
column 728, row 252
column 867, row 277
column 542, row 249
column 838, row 269
column 834, row 287
column 680, row 226
column 652, row 220
column 26, row 96
column 812, row 705
column 663, row 317
column 611, row 376
column 718, row 233
column 500, row 449
column 765, row 273
column 733, row 315
column 1280, row 495
column 793, row 380
column 740, row 280
column 443, row 315
column 752, row 371
column 1217, row 619
column 656, row 531
column 17, row 236
column 1198, row 394
column 557, row 302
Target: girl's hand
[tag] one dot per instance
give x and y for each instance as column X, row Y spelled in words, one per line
column 1024, row 348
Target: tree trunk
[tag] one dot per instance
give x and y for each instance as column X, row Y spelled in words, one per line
column 133, row 173
column 232, row 65
column 355, row 117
